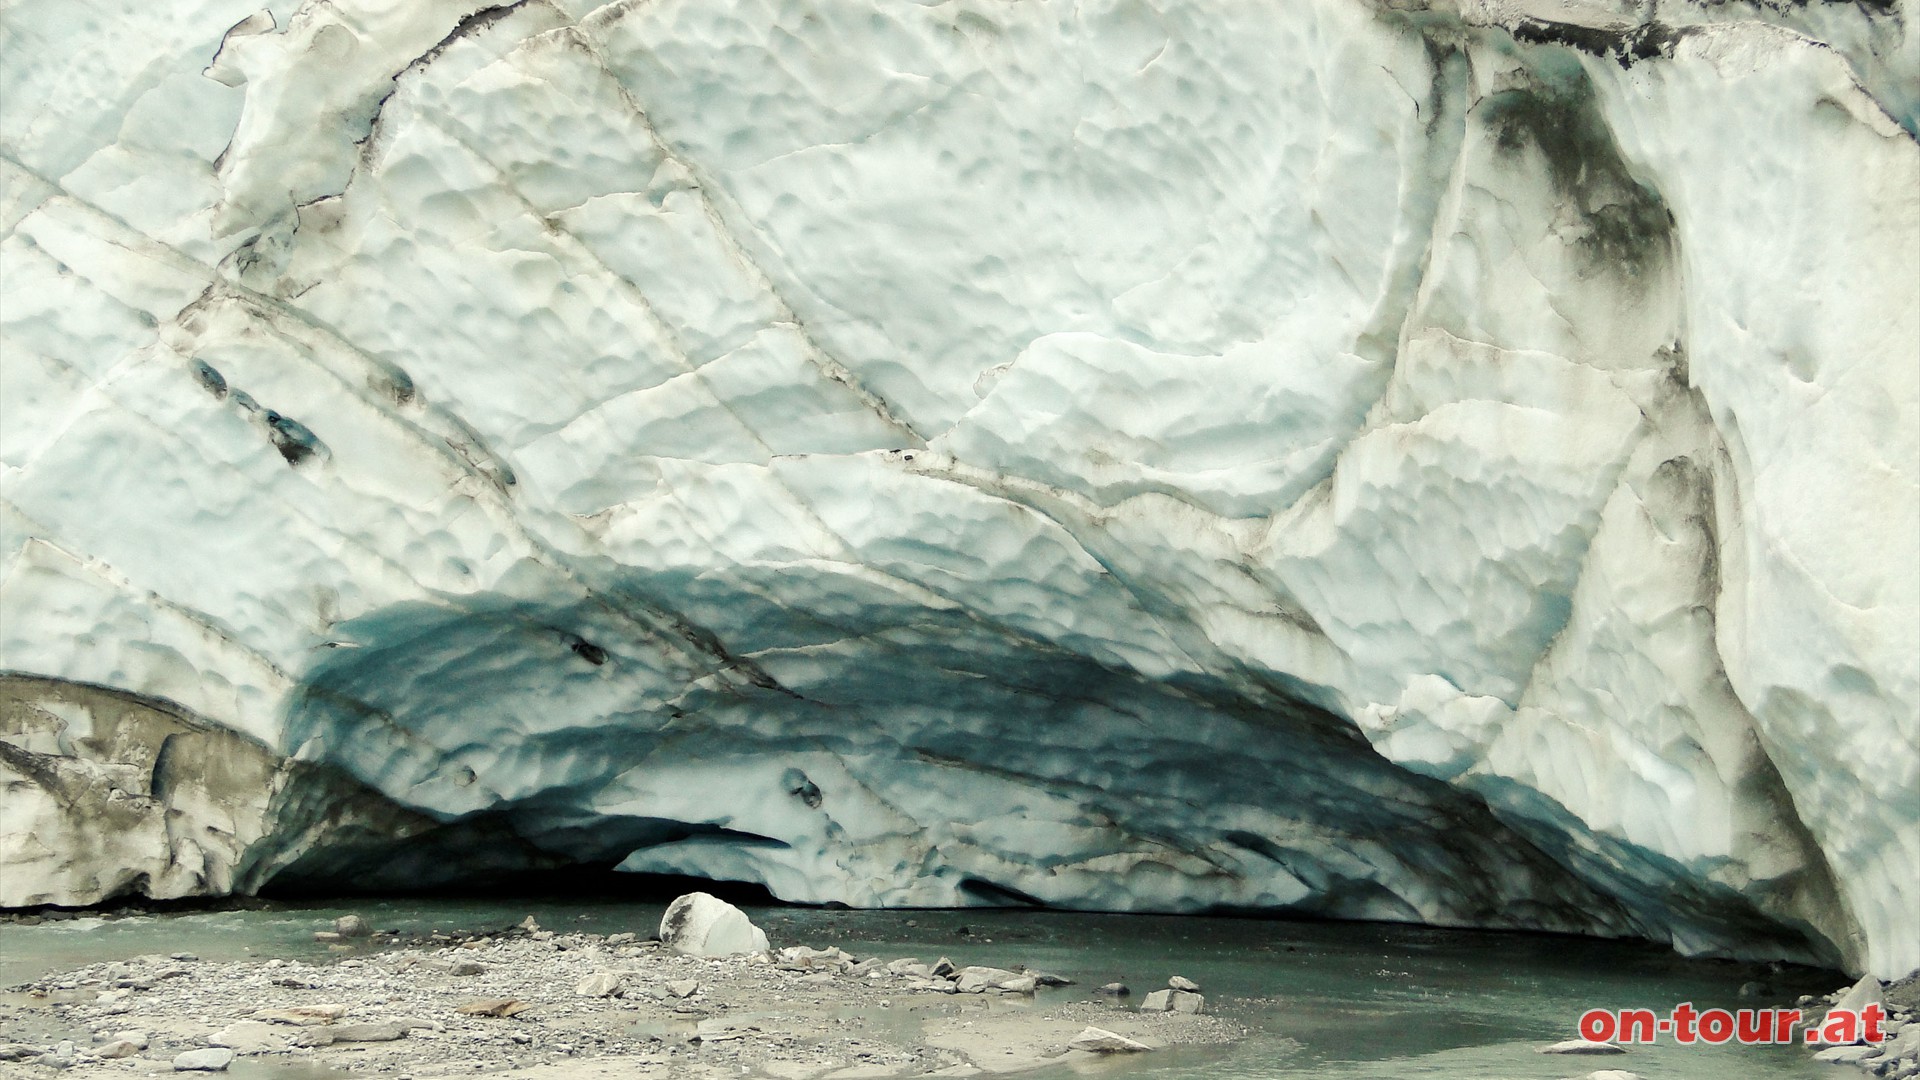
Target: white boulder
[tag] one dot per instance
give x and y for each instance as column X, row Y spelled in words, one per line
column 700, row 924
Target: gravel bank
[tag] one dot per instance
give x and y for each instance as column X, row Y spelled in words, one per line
column 530, row 1003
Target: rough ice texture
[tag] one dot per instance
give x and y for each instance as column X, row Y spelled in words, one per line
column 1452, row 464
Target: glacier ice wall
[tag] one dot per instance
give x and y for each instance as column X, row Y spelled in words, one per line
column 1441, row 462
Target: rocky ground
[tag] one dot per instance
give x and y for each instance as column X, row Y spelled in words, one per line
column 1897, row 1057
column 531, row 1003
column 1894, row 1057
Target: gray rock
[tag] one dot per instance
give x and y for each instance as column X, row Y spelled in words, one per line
column 1114, row 989
column 313, row 1036
column 1174, row 1001
column 802, row 958
column 502, row 1007
column 598, row 985
column 1101, row 1041
column 1180, row 982
column 212, row 1059
column 1867, row 991
column 467, row 967
column 351, row 926
column 1903, row 1041
column 975, row 980
column 1025, row 984
column 18, row 1052
column 943, row 968
column 1582, row 1046
column 62, row 1056
column 302, row 1015
column 1847, row 1055
column 366, row 1032
column 683, row 988
column 118, row 1048
column 249, row 1037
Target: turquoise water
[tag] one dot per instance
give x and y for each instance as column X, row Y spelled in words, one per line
column 1337, row 1000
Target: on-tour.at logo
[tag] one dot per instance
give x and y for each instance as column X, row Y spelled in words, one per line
column 1688, row 1026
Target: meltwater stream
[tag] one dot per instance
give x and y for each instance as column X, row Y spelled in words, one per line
column 1346, row 1000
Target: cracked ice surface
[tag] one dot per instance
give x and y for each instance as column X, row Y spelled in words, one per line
column 1135, row 456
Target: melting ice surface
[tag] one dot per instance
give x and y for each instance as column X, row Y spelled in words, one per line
column 1449, row 462
column 1362, row 1000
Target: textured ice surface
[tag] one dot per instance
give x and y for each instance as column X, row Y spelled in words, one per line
column 1453, row 464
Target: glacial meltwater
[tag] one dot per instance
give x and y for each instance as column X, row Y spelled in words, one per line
column 1349, row 1000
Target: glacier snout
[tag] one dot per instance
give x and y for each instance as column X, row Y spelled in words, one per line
column 1436, row 462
